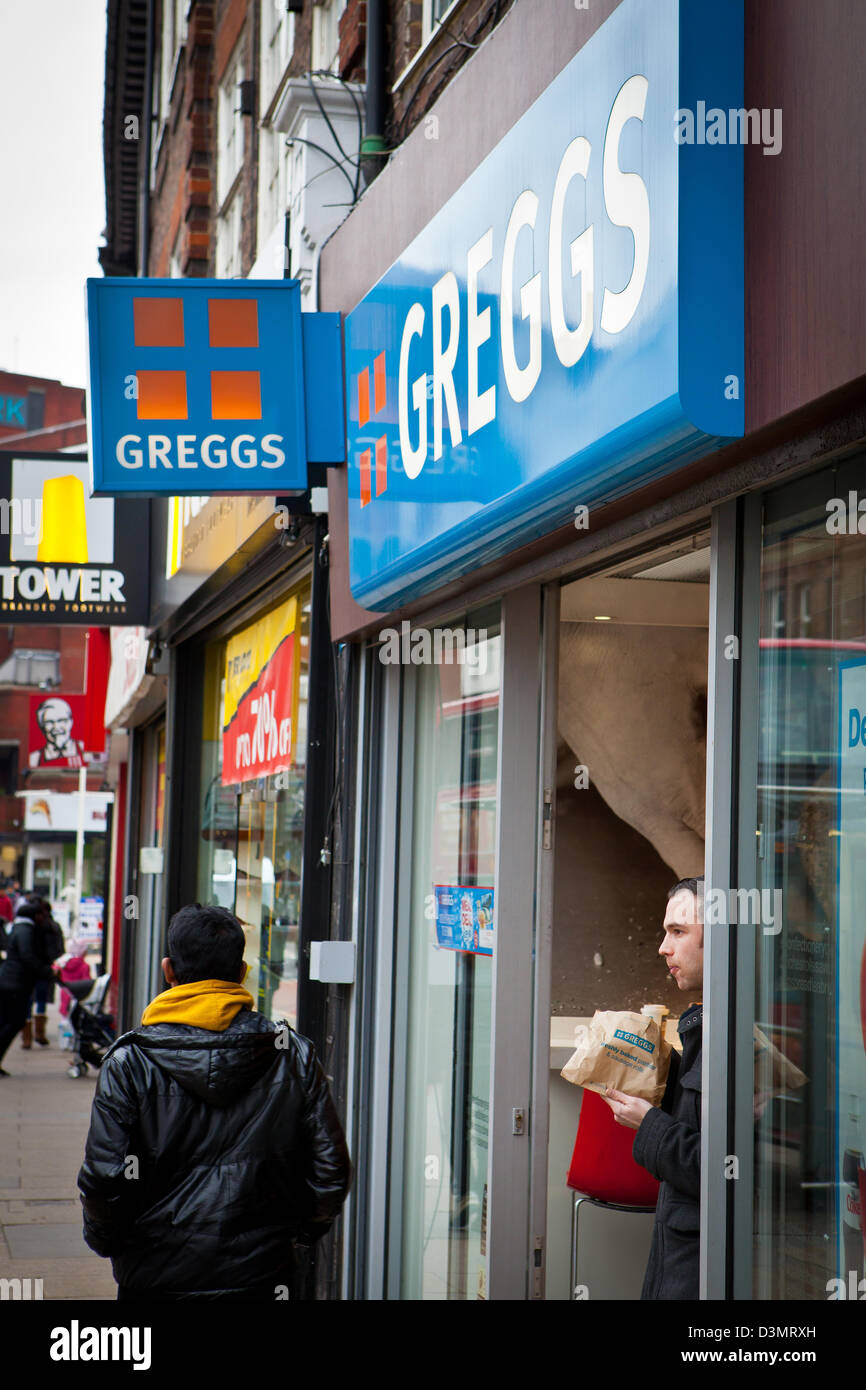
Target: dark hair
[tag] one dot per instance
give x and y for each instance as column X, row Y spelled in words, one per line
column 205, row 943
column 688, row 885
column 33, row 906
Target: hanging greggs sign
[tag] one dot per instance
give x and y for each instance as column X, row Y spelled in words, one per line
column 200, row 387
column 570, row 324
column 261, row 696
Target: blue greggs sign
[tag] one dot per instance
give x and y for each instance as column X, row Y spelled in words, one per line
column 570, row 324
column 210, row 386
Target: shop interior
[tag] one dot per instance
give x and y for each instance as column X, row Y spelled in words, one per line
column 631, row 769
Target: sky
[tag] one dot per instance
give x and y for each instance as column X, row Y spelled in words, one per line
column 51, row 100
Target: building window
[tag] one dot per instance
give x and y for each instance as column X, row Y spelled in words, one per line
column 278, row 41
column 27, row 667
column 8, row 768
column 175, row 268
column 326, row 35
column 228, row 240
column 434, row 12
column 172, row 39
column 273, row 182
column 230, row 130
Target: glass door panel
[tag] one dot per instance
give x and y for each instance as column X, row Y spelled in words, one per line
column 810, row 1101
column 450, row 938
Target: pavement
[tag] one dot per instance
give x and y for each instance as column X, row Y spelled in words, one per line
column 44, row 1118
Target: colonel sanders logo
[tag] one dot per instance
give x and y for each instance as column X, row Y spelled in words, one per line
column 60, row 749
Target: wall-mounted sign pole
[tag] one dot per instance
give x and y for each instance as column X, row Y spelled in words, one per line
column 79, row 847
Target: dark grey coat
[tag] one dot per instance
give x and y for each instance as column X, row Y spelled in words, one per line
column 668, row 1145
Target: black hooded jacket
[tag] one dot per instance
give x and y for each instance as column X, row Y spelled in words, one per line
column 668, row 1144
column 209, row 1154
column 31, row 946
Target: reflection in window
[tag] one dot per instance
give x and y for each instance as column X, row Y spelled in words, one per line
column 810, row 1091
column 450, row 937
column 251, row 847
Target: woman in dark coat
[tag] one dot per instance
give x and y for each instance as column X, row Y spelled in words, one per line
column 30, row 949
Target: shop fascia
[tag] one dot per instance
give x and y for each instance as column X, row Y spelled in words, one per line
column 568, row 325
column 626, row 204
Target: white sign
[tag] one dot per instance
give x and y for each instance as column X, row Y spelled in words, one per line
column 150, row 859
column 59, row 811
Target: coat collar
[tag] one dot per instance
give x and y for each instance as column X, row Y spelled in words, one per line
column 692, row 1018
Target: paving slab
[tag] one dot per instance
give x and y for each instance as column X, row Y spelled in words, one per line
column 44, row 1118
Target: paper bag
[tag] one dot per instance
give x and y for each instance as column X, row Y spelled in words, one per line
column 774, row 1072
column 624, row 1050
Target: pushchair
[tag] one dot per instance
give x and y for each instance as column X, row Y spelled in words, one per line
column 93, row 1028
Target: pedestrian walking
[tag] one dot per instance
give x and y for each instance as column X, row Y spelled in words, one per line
column 43, row 994
column 214, row 1145
column 30, row 952
column 7, row 911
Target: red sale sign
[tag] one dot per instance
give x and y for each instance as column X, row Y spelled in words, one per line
column 261, row 697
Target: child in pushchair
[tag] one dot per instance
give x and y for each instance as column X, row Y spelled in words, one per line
column 93, row 1028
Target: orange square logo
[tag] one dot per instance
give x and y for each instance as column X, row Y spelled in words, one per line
column 162, row 396
column 158, row 322
column 363, row 397
column 235, row 396
column 366, row 491
column 381, row 464
column 379, row 389
column 233, row 322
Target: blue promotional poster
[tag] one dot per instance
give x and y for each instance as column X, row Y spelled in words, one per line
column 464, row 918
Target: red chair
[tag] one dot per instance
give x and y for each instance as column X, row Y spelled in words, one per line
column 606, row 1178
column 602, row 1165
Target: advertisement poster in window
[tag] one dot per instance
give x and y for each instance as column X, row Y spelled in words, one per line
column 464, row 918
column 261, row 697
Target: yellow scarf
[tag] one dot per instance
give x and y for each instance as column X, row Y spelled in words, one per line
column 208, row 1004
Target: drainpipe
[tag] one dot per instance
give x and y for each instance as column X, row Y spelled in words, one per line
column 373, row 150
column 147, row 120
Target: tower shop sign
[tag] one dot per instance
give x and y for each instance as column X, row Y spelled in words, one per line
column 67, row 557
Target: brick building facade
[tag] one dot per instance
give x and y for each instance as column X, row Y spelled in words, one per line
column 206, row 131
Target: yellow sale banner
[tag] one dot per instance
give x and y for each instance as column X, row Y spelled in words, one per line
column 261, row 696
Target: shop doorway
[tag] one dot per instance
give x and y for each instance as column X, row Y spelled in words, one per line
column 631, row 742
column 43, row 871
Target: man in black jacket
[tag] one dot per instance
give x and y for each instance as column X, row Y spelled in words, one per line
column 31, row 947
column 668, row 1140
column 214, row 1144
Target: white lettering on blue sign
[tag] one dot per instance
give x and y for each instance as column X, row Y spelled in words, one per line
column 627, row 205
column 214, row 451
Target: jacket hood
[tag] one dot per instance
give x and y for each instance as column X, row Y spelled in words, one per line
column 215, row 1067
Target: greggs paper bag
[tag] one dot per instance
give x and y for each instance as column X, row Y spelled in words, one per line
column 623, row 1050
